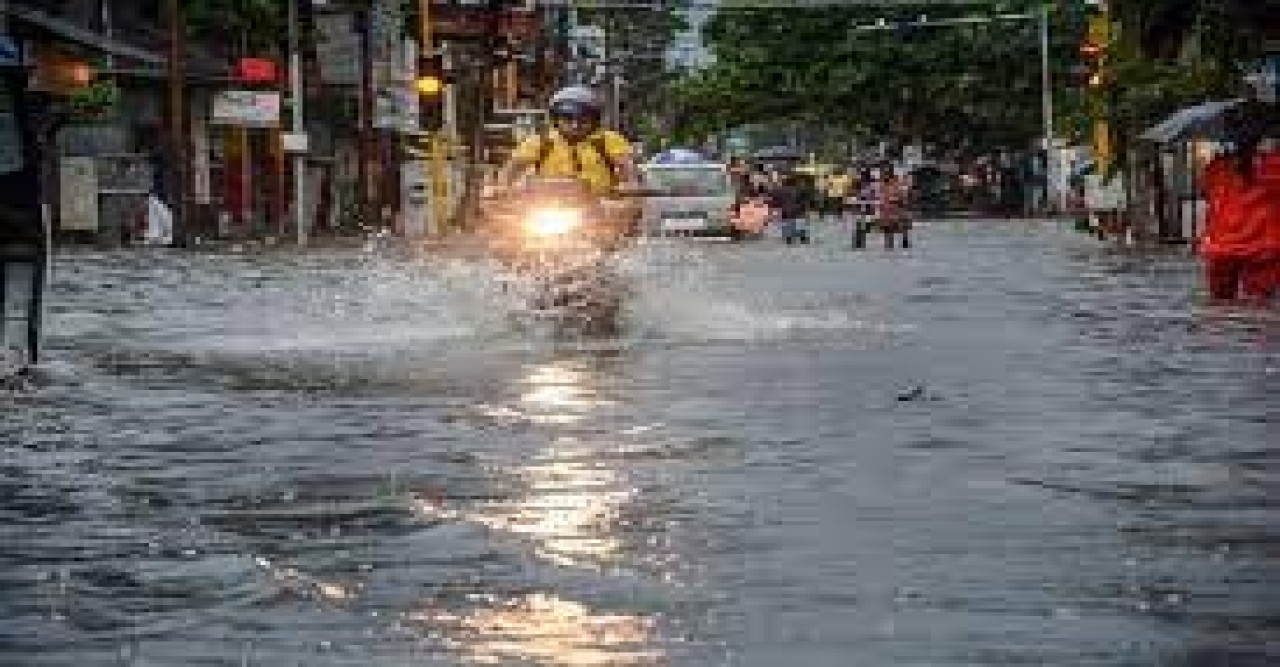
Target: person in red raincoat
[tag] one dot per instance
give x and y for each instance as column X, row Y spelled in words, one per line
column 1241, row 240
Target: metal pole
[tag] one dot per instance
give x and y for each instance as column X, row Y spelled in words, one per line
column 442, row 186
column 299, row 126
column 450, row 121
column 1046, row 101
column 177, row 119
column 438, row 183
column 365, row 141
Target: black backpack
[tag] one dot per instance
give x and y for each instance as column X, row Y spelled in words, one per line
column 547, row 144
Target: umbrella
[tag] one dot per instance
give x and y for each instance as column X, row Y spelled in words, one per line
column 1203, row 120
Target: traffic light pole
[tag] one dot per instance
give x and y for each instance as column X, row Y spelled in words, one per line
column 442, row 138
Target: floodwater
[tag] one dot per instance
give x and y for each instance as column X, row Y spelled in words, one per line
column 1005, row 446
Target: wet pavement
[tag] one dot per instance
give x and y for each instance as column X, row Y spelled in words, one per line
column 1005, row 446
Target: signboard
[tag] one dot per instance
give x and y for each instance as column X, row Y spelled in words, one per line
column 249, row 108
column 78, row 185
column 386, row 23
column 295, row 142
column 396, row 102
column 338, row 49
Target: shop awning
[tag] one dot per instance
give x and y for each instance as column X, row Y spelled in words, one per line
column 71, row 32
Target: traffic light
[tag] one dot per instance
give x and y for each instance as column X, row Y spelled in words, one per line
column 1093, row 70
column 1094, row 49
column 432, row 77
column 1098, row 84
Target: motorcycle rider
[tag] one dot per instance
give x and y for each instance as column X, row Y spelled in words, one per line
column 577, row 146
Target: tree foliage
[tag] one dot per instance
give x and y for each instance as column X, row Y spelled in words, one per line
column 1167, row 55
column 963, row 85
column 966, row 85
column 639, row 39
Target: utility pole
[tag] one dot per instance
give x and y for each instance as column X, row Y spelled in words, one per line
column 177, row 167
column 1046, row 103
column 364, row 143
column 299, row 125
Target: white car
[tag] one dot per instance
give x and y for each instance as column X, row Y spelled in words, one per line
column 688, row 199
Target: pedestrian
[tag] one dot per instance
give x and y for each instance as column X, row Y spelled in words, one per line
column 740, row 180
column 788, row 201
column 838, row 188
column 760, row 182
column 1241, row 240
column 892, row 207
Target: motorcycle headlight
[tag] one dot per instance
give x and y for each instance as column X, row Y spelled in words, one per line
column 553, row 221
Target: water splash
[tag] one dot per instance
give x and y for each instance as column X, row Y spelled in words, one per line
column 682, row 293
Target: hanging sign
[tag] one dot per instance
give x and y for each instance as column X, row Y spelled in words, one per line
column 255, row 70
column 249, row 108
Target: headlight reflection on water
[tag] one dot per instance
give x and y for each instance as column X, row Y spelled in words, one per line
column 560, row 394
column 567, row 506
column 540, row 628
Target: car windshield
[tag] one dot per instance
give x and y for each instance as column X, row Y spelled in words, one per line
column 690, row 182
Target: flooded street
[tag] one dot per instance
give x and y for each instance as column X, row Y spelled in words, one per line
column 1007, row 445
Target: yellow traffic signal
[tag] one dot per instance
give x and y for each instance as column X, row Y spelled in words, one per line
column 429, row 85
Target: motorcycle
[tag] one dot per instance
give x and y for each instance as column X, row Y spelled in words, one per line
column 558, row 242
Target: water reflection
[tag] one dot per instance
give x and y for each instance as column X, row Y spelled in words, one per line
column 541, row 628
column 570, row 495
column 570, row 509
column 560, row 392
column 565, row 504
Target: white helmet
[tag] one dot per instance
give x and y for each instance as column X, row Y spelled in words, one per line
column 575, row 101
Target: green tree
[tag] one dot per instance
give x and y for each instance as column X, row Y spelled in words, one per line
column 1168, row 55
column 638, row 39
column 965, row 86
